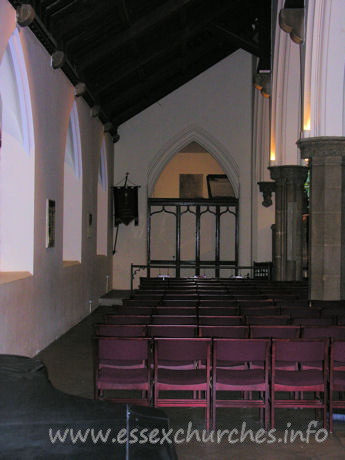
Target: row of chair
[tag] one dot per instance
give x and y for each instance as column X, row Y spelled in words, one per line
column 237, row 373
column 211, row 298
column 220, row 331
column 226, row 287
column 214, row 320
column 214, row 283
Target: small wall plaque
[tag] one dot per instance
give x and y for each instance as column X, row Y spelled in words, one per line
column 89, row 225
column 50, row 223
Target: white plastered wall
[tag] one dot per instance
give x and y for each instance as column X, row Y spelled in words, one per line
column 38, row 309
column 215, row 110
column 324, row 69
column 285, row 98
column 263, row 217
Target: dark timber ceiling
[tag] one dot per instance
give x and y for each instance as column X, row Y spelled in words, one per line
column 131, row 53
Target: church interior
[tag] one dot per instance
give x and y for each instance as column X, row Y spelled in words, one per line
column 178, row 166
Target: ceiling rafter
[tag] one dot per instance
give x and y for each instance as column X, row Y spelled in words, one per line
column 140, row 27
column 132, row 53
column 172, row 42
column 241, row 42
column 91, row 21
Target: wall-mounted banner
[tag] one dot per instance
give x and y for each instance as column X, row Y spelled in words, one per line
column 126, row 205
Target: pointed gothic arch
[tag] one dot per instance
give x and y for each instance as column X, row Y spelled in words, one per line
column 169, row 242
column 208, row 142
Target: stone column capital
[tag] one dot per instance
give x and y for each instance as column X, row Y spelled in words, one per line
column 291, row 173
column 267, row 188
column 320, row 147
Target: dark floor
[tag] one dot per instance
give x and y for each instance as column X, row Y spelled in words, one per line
column 70, row 368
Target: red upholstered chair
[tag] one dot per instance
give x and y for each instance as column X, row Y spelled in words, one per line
column 177, row 378
column 181, row 296
column 268, row 320
column 123, row 364
column 142, row 302
column 242, row 379
column 231, row 332
column 218, row 311
column 291, row 303
column 210, row 303
column 248, row 299
column 127, row 319
column 312, row 321
column 172, row 330
column 269, row 311
column 220, row 297
column 299, row 377
column 332, row 312
column 179, row 303
column 301, row 312
column 120, row 330
column 182, row 311
column 138, row 310
column 341, row 320
column 174, row 319
column 220, row 320
column 337, row 379
column 315, row 332
column 277, row 332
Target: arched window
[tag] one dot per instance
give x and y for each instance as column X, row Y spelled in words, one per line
column 17, row 165
column 102, row 203
column 73, row 189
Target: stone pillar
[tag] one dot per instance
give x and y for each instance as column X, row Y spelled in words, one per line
column 288, row 235
column 327, row 216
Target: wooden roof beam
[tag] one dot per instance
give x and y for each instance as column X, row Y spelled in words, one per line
column 140, row 27
column 174, row 41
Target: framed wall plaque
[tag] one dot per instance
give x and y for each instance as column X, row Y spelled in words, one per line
column 191, row 185
column 50, row 223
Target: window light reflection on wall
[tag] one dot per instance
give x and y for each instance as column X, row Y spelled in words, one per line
column 306, row 125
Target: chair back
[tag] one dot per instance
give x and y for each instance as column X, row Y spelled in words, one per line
column 338, row 355
column 240, row 350
column 127, row 319
column 217, row 320
column 234, row 332
column 123, row 348
column 268, row 319
column 299, row 350
column 218, row 311
column 182, row 311
column 278, row 332
column 312, row 321
column 181, row 349
column 167, row 330
column 256, row 311
column 120, row 330
column 173, row 319
column 337, row 332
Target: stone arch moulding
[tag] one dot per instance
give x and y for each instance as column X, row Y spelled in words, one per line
column 181, row 140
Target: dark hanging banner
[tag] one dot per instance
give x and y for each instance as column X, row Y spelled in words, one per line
column 126, row 205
